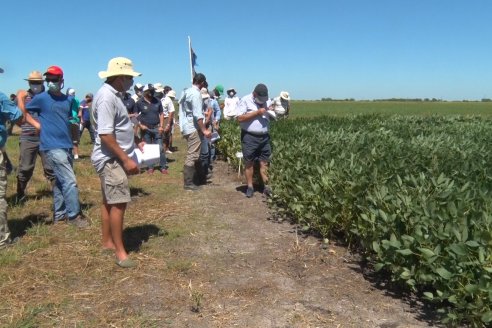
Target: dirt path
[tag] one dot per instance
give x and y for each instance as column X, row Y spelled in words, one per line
column 249, row 271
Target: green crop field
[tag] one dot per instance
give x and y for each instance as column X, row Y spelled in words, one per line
column 317, row 108
column 407, row 184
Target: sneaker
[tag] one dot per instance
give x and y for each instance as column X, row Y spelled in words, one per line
column 168, row 152
column 249, row 192
column 79, row 222
column 150, row 171
column 164, row 171
column 267, row 191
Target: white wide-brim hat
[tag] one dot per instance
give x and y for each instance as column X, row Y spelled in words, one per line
column 284, row 95
column 119, row 66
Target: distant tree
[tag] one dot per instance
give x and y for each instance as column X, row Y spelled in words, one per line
column 486, row 100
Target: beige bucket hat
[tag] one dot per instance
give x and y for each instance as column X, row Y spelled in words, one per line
column 284, row 95
column 119, row 66
column 35, row 76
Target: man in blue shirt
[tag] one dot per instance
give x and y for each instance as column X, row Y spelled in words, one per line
column 55, row 110
column 85, row 116
column 191, row 123
column 8, row 111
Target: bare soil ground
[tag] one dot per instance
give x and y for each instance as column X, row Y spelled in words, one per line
column 211, row 258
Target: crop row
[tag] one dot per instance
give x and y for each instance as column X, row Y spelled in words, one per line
column 412, row 193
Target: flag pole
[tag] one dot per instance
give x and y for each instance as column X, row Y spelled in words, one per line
column 191, row 59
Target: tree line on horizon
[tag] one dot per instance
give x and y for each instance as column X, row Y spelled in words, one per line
column 407, row 99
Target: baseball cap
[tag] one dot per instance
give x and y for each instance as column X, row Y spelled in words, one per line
column 54, row 70
column 70, row 92
column 171, row 93
column 261, row 92
column 220, row 89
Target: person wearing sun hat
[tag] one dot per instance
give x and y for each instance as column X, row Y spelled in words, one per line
column 54, row 109
column 281, row 104
column 255, row 138
column 9, row 112
column 230, row 104
column 113, row 153
column 29, row 140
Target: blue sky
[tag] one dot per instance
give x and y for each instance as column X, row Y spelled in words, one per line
column 313, row 49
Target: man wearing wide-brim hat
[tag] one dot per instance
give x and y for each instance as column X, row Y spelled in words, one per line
column 29, row 139
column 112, row 155
column 9, row 112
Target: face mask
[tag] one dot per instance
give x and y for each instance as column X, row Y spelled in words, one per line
column 231, row 94
column 36, row 88
column 55, row 87
column 258, row 102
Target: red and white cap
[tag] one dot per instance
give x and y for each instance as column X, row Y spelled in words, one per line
column 54, row 70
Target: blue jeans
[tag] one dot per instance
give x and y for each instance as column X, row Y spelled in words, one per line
column 65, row 190
column 152, row 136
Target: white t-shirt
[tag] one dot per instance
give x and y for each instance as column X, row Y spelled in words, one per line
column 230, row 106
column 167, row 106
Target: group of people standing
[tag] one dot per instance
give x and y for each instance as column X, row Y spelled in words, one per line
column 119, row 123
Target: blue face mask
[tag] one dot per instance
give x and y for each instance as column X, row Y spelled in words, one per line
column 54, row 86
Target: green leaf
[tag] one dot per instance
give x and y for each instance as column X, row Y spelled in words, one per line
column 429, row 295
column 472, row 289
column 459, row 249
column 375, row 246
column 378, row 266
column 472, row 243
column 405, row 251
column 427, row 253
column 444, row 273
column 487, row 317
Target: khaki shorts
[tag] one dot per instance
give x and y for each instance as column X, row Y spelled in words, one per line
column 114, row 184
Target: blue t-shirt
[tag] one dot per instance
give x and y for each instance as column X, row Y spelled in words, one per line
column 86, row 115
column 8, row 111
column 54, row 114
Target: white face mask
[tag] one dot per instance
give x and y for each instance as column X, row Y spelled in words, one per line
column 54, row 86
column 258, row 102
column 36, row 88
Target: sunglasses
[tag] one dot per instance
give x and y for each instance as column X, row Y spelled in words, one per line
column 54, row 80
column 35, row 82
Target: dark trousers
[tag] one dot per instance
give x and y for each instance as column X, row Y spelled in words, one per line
column 29, row 150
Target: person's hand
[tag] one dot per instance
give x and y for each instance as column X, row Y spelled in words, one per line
column 161, row 130
column 21, row 94
column 143, row 127
column 207, row 134
column 141, row 146
column 167, row 128
column 261, row 111
column 130, row 166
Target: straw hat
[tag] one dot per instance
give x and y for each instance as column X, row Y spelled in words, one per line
column 119, row 66
column 204, row 93
column 35, row 76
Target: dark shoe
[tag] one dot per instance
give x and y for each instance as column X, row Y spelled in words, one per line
column 249, row 192
column 79, row 222
column 164, row 171
column 126, row 263
column 267, row 191
column 188, row 174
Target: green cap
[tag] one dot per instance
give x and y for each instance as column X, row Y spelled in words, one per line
column 219, row 88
